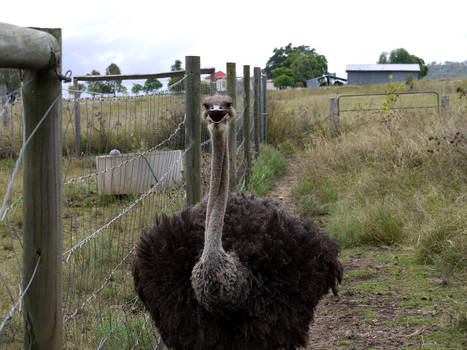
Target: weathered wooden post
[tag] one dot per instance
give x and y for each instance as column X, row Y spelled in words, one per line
column 334, row 114
column 213, row 83
column 193, row 130
column 246, row 120
column 445, row 104
column 257, row 108
column 264, row 109
column 76, row 96
column 232, row 92
column 42, row 205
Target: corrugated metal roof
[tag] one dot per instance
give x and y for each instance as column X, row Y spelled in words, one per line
column 383, row 67
column 219, row 74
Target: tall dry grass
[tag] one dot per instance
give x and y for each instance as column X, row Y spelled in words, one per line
column 389, row 177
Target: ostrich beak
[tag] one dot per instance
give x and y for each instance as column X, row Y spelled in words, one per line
column 216, row 114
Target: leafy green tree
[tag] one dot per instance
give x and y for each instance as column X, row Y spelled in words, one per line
column 137, row 88
column 305, row 62
column 116, row 85
column 123, row 90
column 277, row 59
column 401, row 55
column 283, row 77
column 383, row 58
column 175, row 67
column 95, row 86
column 71, row 89
column 151, row 85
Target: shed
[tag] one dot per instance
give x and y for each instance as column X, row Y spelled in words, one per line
column 379, row 73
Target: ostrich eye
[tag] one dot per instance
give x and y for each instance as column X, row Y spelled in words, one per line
column 228, row 105
column 206, row 106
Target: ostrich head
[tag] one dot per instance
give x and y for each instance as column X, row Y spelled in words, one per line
column 218, row 112
column 219, row 279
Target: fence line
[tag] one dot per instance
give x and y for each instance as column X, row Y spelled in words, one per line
column 101, row 230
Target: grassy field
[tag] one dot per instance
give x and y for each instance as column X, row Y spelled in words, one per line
column 391, row 178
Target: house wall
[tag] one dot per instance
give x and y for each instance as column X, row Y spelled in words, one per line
column 377, row 77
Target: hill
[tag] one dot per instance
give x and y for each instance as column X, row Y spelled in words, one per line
column 447, row 70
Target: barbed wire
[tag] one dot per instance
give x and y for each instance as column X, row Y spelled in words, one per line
column 70, row 251
column 21, row 153
column 136, row 157
column 96, row 292
column 21, row 296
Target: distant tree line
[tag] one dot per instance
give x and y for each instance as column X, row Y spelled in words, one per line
column 293, row 66
column 113, row 87
column 447, row 70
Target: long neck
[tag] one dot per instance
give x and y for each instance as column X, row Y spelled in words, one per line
column 218, row 191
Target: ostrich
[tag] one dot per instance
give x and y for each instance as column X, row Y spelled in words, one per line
column 234, row 271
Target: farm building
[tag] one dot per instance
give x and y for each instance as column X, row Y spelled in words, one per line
column 221, row 81
column 379, row 73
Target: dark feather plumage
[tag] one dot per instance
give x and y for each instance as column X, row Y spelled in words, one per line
column 292, row 263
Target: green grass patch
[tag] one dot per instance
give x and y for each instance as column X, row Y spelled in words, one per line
column 270, row 165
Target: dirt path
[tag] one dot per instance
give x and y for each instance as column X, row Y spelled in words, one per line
column 369, row 311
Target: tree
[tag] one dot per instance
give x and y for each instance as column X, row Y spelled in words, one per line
column 95, row 86
column 151, row 85
column 401, row 55
column 383, row 58
column 305, row 62
column 116, row 85
column 283, row 77
column 175, row 67
column 137, row 88
column 71, row 89
column 277, row 59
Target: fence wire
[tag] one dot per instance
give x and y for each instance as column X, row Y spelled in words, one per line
column 122, row 167
column 128, row 170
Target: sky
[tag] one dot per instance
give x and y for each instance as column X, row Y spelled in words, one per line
column 148, row 36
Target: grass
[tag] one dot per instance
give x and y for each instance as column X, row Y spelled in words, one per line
column 419, row 296
column 390, row 176
column 270, row 165
column 96, row 278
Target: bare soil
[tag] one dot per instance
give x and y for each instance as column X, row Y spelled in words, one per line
column 360, row 319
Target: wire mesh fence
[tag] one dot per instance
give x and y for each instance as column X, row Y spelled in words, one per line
column 125, row 169
column 128, row 170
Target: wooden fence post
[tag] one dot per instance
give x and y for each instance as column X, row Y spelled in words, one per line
column 257, row 108
column 246, row 120
column 264, row 112
column 193, row 131
column 232, row 92
column 445, row 104
column 76, row 96
column 213, row 83
column 42, row 208
column 334, row 114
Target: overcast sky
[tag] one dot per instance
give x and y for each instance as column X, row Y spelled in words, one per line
column 148, row 36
